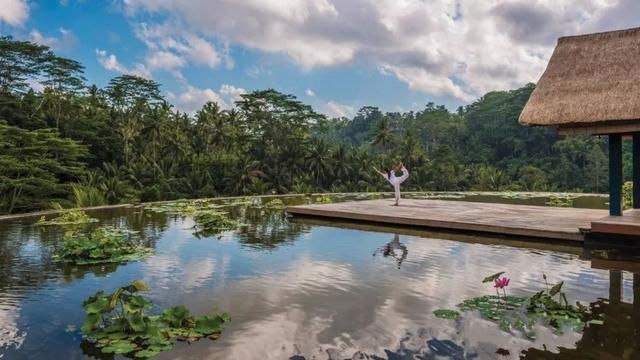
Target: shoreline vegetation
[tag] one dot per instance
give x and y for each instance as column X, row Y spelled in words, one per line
column 69, row 144
column 52, row 212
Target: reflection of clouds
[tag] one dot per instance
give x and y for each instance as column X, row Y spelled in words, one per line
column 292, row 329
column 10, row 334
column 169, row 270
column 317, row 305
column 196, row 273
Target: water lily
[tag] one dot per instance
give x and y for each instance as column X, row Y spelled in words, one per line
column 501, row 283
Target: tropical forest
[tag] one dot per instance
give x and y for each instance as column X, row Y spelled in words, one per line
column 67, row 143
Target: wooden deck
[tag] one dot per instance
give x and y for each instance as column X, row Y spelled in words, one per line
column 519, row 220
column 628, row 224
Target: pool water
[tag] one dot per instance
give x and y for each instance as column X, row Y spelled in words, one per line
column 309, row 289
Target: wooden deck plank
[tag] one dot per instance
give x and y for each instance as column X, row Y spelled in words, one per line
column 521, row 220
column 628, row 224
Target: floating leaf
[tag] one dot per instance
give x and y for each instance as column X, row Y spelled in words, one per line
column 556, row 289
column 70, row 217
column 139, row 285
column 208, row 325
column 493, row 277
column 595, row 322
column 126, row 329
column 147, row 353
column 176, row 315
column 446, row 314
column 90, row 323
column 120, row 347
column 136, row 321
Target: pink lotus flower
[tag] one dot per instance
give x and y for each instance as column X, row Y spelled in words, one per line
column 501, row 283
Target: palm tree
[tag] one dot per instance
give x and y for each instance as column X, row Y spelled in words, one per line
column 342, row 158
column 383, row 133
column 243, row 176
column 319, row 161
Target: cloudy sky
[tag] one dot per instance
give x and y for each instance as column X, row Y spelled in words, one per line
column 337, row 55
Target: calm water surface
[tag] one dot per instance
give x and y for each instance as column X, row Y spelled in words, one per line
column 305, row 289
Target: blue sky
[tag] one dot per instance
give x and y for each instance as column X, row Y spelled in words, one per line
column 337, row 55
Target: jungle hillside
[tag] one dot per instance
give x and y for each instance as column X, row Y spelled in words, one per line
column 66, row 143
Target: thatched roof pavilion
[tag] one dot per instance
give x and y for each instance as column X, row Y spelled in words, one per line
column 592, row 86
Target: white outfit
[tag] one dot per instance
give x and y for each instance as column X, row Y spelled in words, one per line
column 396, row 181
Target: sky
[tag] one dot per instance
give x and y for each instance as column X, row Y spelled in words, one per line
column 336, row 55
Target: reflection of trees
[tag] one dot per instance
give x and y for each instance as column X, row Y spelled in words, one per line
column 617, row 338
column 266, row 228
column 26, row 251
column 25, row 256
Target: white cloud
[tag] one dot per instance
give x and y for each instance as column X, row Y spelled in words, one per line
column 67, row 39
column 310, row 92
column 14, row 12
column 111, row 63
column 453, row 48
column 192, row 98
column 164, row 60
column 173, row 39
column 334, row 109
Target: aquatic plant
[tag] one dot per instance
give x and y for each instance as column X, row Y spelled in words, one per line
column 102, row 245
column 179, row 207
column 501, row 283
column 560, row 201
column 324, row 199
column 71, row 217
column 521, row 313
column 275, row 204
column 446, row 314
column 191, row 207
column 117, row 323
column 210, row 223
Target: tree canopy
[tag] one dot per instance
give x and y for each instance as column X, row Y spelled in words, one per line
column 62, row 141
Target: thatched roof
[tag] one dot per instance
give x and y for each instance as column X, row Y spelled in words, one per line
column 590, row 80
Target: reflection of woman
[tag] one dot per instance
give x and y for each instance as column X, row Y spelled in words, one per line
column 391, row 249
column 390, row 176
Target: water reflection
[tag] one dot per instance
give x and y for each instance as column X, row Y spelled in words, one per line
column 619, row 336
column 307, row 289
column 394, row 249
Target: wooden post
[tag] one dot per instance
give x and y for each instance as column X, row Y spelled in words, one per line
column 636, row 170
column 615, row 174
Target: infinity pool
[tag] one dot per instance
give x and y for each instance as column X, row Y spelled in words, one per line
column 307, row 289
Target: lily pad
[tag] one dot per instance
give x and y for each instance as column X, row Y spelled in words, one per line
column 446, row 314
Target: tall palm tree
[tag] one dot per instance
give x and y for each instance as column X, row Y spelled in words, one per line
column 319, row 161
column 383, row 133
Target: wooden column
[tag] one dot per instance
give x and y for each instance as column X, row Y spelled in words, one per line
column 615, row 174
column 636, row 170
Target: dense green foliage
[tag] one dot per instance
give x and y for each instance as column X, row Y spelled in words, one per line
column 117, row 323
column 79, row 145
column 102, row 245
column 71, row 217
column 210, row 223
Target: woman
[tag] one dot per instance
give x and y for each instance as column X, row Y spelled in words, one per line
column 390, row 176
